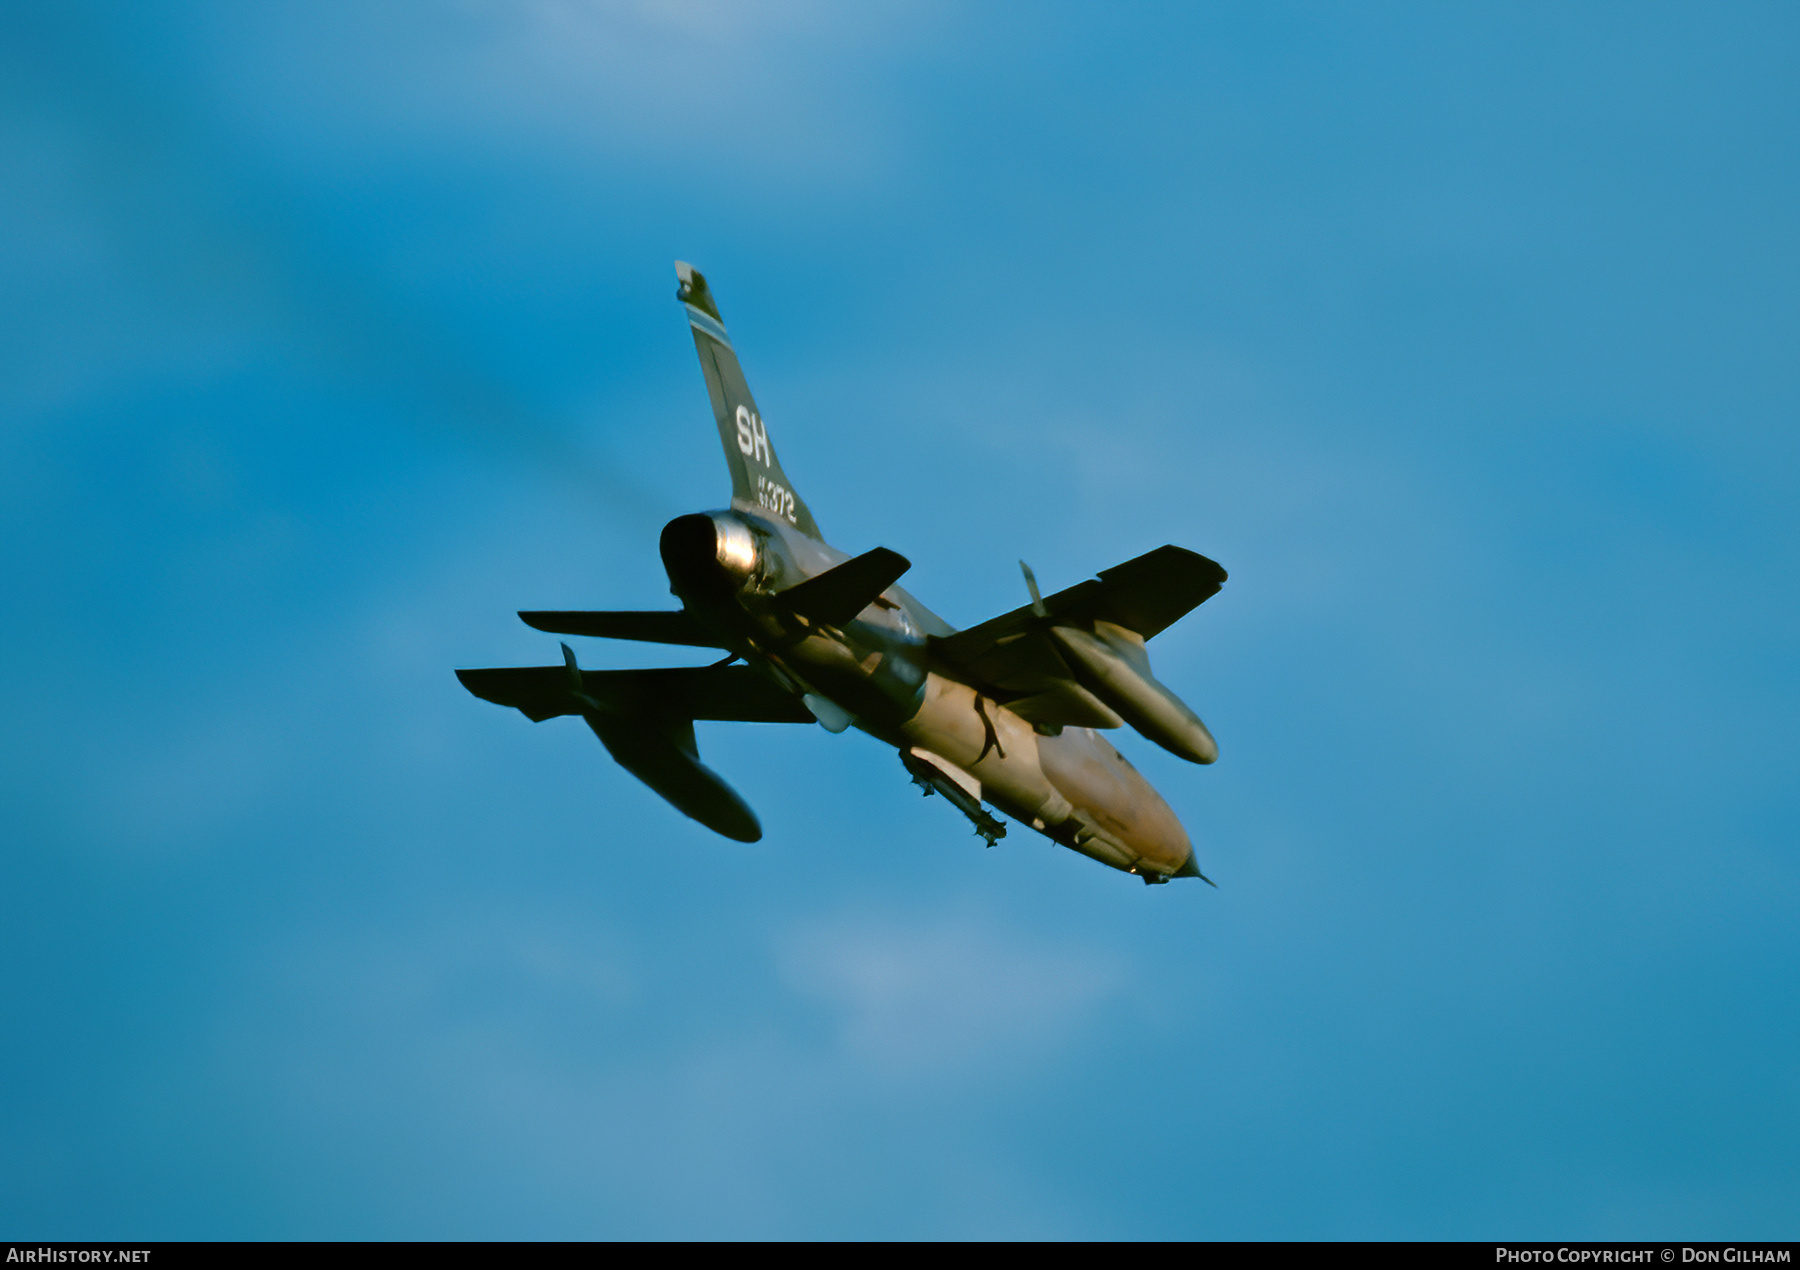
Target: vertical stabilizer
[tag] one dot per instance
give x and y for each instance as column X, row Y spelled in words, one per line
column 756, row 476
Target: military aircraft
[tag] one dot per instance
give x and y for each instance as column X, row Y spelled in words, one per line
column 1005, row 713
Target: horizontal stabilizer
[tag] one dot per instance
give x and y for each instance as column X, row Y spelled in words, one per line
column 661, row 627
column 836, row 596
column 738, row 694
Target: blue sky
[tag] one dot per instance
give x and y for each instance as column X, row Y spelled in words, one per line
column 1462, row 336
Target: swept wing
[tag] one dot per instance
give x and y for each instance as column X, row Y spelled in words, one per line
column 1031, row 659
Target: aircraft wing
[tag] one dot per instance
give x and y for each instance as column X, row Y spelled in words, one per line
column 737, row 694
column 1146, row 595
column 1013, row 658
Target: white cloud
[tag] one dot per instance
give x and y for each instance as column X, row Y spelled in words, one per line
column 704, row 86
column 950, row 992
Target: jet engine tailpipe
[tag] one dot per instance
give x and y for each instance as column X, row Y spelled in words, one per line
column 708, row 553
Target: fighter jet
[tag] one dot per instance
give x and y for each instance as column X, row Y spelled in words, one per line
column 1006, row 714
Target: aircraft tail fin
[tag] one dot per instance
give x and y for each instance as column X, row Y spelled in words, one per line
column 757, row 480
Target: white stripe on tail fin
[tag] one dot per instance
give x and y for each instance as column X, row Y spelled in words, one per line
column 757, row 480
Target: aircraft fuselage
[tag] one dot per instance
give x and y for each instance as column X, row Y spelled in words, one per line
column 1002, row 714
column 877, row 672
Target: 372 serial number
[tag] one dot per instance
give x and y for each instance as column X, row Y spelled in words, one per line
column 777, row 498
